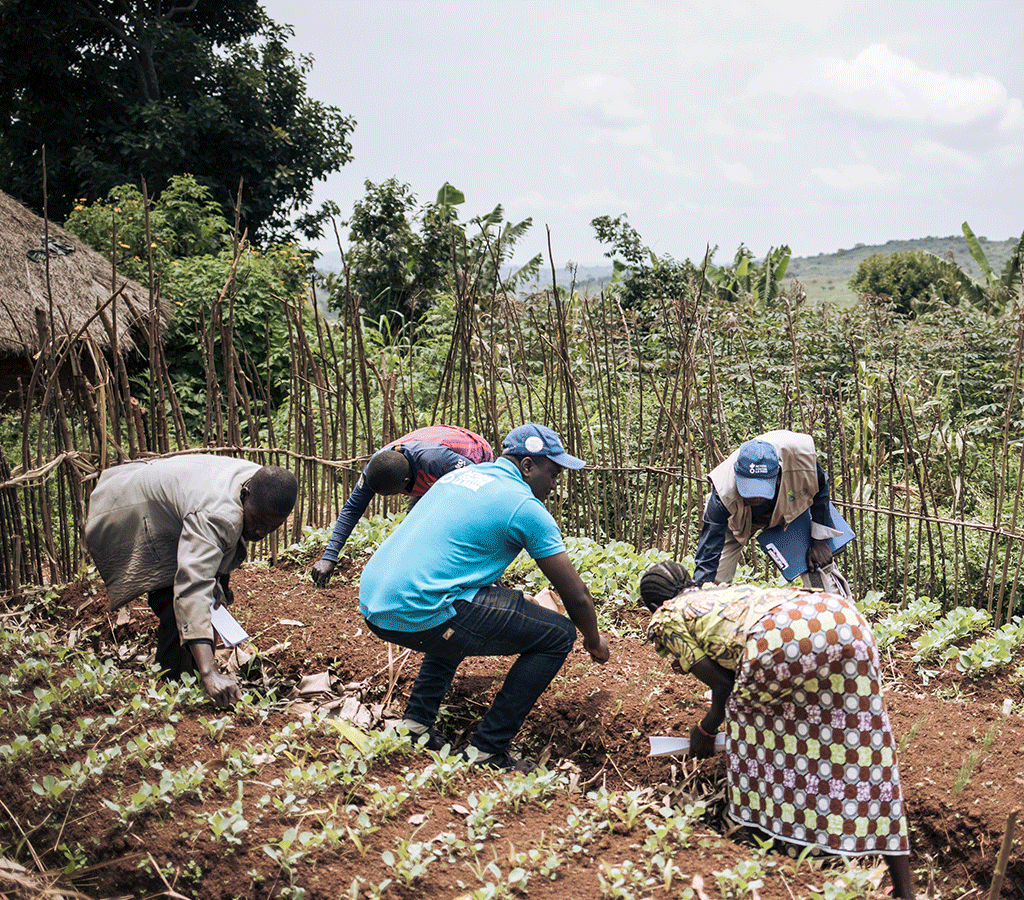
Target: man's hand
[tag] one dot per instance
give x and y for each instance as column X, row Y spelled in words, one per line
column 228, row 595
column 222, row 594
column 599, row 652
column 819, row 556
column 222, row 689
column 322, row 571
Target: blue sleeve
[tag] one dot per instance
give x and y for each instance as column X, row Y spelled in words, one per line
column 820, row 511
column 712, row 539
column 354, row 507
column 535, row 530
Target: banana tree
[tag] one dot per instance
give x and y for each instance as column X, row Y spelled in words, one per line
column 999, row 291
column 747, row 278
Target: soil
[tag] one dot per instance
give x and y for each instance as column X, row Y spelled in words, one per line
column 592, row 722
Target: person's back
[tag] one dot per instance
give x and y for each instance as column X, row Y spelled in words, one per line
column 460, row 537
column 409, row 465
column 138, row 510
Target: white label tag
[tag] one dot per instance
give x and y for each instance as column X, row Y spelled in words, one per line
column 230, row 631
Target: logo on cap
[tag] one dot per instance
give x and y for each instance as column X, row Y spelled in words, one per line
column 534, row 444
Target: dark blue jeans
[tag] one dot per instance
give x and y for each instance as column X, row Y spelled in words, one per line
column 498, row 622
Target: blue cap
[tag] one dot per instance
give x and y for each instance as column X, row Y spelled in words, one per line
column 757, row 470
column 532, row 439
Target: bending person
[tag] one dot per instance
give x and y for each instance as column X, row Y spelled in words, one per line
column 794, row 676
column 174, row 528
column 409, row 466
column 769, row 480
column 431, row 587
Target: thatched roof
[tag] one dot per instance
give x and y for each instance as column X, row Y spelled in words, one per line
column 80, row 280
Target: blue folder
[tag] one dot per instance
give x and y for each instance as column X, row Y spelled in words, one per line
column 787, row 545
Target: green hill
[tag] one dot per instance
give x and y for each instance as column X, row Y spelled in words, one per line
column 826, row 276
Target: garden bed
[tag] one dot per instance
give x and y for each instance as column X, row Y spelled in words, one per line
column 126, row 788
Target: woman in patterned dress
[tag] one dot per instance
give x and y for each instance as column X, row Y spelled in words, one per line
column 794, row 677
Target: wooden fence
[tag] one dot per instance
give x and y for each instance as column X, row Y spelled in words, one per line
column 650, row 418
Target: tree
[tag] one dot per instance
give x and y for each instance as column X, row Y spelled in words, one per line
column 746, row 278
column 645, row 278
column 402, row 254
column 116, row 90
column 193, row 259
column 997, row 292
column 912, row 279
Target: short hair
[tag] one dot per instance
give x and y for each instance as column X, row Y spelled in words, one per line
column 274, row 489
column 387, row 472
column 662, row 582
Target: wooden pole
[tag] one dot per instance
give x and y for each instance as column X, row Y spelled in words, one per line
column 1004, row 857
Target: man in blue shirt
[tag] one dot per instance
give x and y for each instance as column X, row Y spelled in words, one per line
column 431, row 587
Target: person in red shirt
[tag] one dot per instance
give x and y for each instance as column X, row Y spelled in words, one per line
column 408, row 466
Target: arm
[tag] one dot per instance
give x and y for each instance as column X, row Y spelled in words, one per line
column 350, row 514
column 819, row 554
column 720, row 680
column 579, row 605
column 712, row 539
column 197, row 588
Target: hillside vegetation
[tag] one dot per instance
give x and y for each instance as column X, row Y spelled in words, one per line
column 824, row 276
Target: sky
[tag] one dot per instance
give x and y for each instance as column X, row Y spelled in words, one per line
column 821, row 125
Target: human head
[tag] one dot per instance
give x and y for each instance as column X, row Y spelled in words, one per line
column 532, row 439
column 540, row 457
column 757, row 470
column 388, row 472
column 267, row 500
column 663, row 581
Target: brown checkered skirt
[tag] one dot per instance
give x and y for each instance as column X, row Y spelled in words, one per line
column 811, row 757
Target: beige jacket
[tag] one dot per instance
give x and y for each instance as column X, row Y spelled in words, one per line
column 798, row 464
column 175, row 521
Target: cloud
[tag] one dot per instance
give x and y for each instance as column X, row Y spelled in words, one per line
column 940, row 155
column 605, row 100
column 884, row 85
column 637, row 136
column 737, row 173
column 853, row 178
column 603, row 199
column 1013, row 118
column 1010, row 156
column 664, row 161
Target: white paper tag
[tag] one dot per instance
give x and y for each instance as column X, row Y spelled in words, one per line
column 662, row 745
column 227, row 626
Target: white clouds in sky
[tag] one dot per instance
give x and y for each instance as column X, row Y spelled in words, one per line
column 816, row 123
column 880, row 83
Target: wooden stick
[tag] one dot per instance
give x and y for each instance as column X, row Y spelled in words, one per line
column 1004, row 857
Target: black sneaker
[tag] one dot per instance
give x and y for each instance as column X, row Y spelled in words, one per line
column 503, row 762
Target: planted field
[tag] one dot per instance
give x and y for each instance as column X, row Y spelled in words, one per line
column 119, row 786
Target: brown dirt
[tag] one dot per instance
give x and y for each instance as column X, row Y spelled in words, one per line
column 593, row 720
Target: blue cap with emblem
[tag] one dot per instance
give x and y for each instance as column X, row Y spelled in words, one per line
column 532, row 439
column 757, row 470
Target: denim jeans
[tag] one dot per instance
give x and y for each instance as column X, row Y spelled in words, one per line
column 498, row 622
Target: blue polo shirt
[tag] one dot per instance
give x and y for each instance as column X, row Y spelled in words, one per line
column 460, row 537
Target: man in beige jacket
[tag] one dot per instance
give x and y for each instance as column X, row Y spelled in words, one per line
column 174, row 528
column 769, row 480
